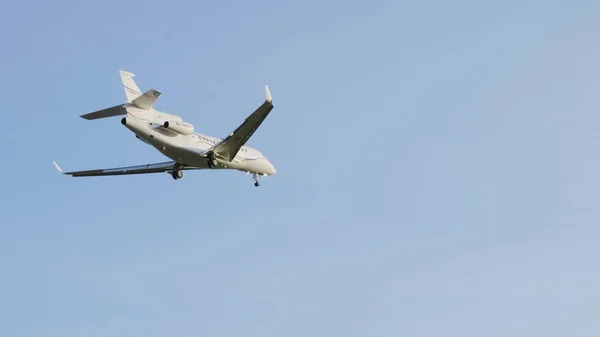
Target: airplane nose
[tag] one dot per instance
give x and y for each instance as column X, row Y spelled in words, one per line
column 272, row 169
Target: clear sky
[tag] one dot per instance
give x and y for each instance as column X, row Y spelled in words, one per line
column 438, row 170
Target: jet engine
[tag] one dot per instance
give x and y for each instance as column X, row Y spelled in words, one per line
column 179, row 127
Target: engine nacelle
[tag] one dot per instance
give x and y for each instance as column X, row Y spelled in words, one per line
column 179, row 127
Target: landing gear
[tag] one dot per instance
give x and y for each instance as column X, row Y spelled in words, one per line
column 255, row 177
column 177, row 174
column 211, row 161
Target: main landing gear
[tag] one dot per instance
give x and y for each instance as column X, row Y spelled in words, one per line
column 177, row 174
column 211, row 161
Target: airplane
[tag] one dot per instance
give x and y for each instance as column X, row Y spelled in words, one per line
column 177, row 139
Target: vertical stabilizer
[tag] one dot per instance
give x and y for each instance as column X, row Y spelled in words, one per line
column 132, row 91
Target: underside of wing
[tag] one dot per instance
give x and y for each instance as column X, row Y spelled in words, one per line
column 139, row 169
column 229, row 147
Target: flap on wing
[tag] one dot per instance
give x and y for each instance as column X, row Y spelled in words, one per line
column 147, row 100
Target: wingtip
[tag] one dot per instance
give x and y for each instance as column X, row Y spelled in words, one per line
column 57, row 167
column 126, row 73
column 268, row 94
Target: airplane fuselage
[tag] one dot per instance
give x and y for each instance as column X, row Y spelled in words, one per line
column 177, row 140
column 187, row 150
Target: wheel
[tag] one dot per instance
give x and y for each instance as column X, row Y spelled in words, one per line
column 212, row 162
column 257, row 184
column 177, row 174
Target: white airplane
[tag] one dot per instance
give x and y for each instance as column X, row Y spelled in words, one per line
column 177, row 140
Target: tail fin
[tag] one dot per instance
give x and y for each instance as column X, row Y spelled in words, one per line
column 132, row 91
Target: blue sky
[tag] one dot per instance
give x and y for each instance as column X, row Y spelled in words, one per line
column 437, row 170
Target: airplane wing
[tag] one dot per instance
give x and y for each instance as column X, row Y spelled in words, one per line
column 140, row 169
column 229, row 147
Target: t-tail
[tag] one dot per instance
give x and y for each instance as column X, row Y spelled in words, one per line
column 134, row 97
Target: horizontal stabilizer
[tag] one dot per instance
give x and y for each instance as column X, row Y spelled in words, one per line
column 116, row 110
column 147, row 100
